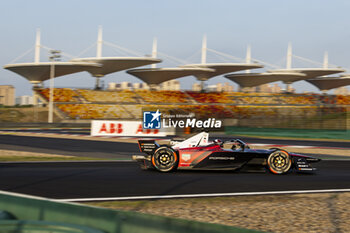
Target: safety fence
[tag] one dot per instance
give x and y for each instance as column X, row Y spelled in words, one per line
column 30, row 214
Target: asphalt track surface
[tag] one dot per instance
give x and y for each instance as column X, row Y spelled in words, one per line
column 118, row 150
column 75, row 147
column 301, row 142
column 67, row 180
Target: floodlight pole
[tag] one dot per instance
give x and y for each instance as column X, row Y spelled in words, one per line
column 55, row 55
column 289, row 62
column 37, row 47
column 154, row 51
column 99, row 43
column 99, row 55
column 248, row 57
column 204, row 57
column 289, row 56
column 325, row 60
column 204, row 49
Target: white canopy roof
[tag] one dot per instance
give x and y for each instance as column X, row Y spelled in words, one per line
column 115, row 64
column 159, row 75
column 327, row 83
column 39, row 72
column 310, row 72
column 221, row 68
column 256, row 79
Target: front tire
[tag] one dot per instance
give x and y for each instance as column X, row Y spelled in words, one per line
column 165, row 159
column 279, row 162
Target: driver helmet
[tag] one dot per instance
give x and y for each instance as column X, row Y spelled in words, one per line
column 217, row 141
column 235, row 144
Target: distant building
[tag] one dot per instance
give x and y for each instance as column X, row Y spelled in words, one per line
column 224, row 87
column 290, row 89
column 268, row 88
column 275, row 88
column 211, row 87
column 24, row 100
column 125, row 85
column 250, row 89
column 196, row 87
column 265, row 88
column 172, row 85
column 120, row 86
column 111, row 86
column 140, row 86
column 219, row 87
column 128, row 86
column 7, row 95
column 342, row 91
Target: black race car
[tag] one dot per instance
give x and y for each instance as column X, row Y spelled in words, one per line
column 196, row 153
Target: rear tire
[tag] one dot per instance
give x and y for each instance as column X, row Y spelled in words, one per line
column 165, row 159
column 279, row 162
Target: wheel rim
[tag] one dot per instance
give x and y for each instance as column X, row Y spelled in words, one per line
column 279, row 162
column 164, row 159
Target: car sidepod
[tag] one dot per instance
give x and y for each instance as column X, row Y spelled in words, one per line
column 215, row 158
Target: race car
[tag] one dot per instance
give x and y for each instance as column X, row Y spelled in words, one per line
column 197, row 153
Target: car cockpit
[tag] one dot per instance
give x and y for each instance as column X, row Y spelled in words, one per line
column 234, row 144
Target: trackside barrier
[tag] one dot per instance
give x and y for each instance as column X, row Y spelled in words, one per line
column 38, row 213
column 126, row 128
column 295, row 133
column 21, row 226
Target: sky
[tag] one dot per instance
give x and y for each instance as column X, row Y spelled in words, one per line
column 312, row 26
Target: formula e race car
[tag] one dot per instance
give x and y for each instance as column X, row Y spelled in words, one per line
column 197, row 153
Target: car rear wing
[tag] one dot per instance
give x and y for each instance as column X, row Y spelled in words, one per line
column 148, row 146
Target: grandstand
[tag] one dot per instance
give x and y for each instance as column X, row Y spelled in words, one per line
column 163, row 97
column 263, row 108
column 201, row 97
column 99, row 96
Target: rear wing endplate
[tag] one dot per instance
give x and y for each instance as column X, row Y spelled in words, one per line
column 148, row 146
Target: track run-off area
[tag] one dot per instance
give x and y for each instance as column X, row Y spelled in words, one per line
column 123, row 179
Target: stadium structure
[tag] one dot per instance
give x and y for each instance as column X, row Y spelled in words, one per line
column 327, row 83
column 253, row 109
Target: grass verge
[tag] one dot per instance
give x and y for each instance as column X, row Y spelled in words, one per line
column 329, row 212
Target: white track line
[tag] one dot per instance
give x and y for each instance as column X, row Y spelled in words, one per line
column 202, row 195
column 177, row 196
column 24, row 195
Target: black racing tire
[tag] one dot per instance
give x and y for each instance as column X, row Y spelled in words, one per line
column 279, row 162
column 165, row 159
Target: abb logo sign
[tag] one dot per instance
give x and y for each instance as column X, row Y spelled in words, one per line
column 122, row 128
column 111, row 128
